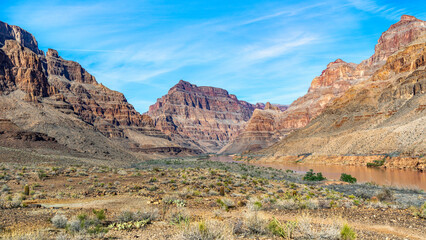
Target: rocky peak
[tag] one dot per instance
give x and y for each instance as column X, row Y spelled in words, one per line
column 52, row 53
column 70, row 70
column 408, row 18
column 26, row 39
column 336, row 71
column 202, row 90
column 207, row 116
column 269, row 106
column 395, row 38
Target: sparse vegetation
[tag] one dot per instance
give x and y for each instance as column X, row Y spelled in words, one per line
column 255, row 201
column 206, row 230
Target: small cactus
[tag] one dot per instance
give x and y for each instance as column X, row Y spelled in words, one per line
column 27, row 190
column 222, row 191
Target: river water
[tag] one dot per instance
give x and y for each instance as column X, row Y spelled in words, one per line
column 390, row 177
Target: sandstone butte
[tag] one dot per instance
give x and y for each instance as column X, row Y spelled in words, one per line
column 204, row 118
column 48, row 99
column 336, row 82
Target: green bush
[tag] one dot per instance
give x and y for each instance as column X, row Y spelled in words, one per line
column 100, row 214
column 347, row 233
column 282, row 230
column 376, row 163
column 311, row 176
column 347, row 178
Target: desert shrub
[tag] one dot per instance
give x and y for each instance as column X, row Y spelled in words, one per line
column 226, row 203
column 377, row 163
column 209, row 230
column 311, row 176
column 93, row 225
column 421, row 212
column 347, row 178
column 238, row 227
column 100, row 214
column 282, row 230
column 125, row 216
column 347, row 233
column 75, row 226
column 149, row 215
column 174, row 200
column 310, row 204
column 41, row 174
column 304, row 230
column 256, row 224
column 288, row 204
column 62, row 236
column 59, row 221
column 179, row 216
column 254, row 204
column 5, row 189
column 386, row 195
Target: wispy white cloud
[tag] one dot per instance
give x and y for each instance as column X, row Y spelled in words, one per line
column 372, row 6
column 288, row 11
column 142, row 48
column 279, row 49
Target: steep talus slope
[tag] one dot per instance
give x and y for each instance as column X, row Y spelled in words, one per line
column 333, row 82
column 47, row 95
column 384, row 115
column 202, row 117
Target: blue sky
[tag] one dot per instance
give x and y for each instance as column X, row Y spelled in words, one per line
column 259, row 50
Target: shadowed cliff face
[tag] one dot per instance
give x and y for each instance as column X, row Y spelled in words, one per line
column 206, row 117
column 333, row 82
column 53, row 96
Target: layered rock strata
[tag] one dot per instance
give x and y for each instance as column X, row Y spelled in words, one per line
column 333, row 82
column 58, row 98
column 202, row 117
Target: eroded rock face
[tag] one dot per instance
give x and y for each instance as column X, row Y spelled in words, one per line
column 24, row 38
column 23, row 69
column 384, row 115
column 205, row 117
column 333, row 82
column 69, row 98
column 267, row 127
column 399, row 35
column 108, row 110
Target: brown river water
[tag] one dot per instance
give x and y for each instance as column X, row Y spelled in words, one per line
column 389, row 177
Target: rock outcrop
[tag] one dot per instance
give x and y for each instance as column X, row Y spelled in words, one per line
column 333, row 82
column 384, row 115
column 56, row 98
column 202, row 117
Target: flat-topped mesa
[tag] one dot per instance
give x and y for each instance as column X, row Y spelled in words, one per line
column 26, row 39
